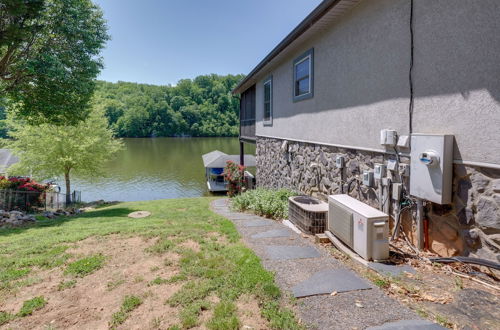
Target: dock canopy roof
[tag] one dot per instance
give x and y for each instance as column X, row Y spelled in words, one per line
column 218, row 159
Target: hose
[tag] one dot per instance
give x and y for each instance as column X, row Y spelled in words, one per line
column 468, row 260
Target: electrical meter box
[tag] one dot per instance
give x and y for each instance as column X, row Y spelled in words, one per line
column 388, row 137
column 339, row 162
column 431, row 168
column 368, row 178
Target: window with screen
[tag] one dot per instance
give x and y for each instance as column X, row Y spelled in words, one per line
column 303, row 76
column 268, row 101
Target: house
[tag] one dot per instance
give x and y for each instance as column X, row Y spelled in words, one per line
column 355, row 69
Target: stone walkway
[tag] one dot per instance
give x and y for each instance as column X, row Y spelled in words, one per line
column 310, row 273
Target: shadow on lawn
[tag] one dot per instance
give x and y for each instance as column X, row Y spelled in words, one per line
column 119, row 212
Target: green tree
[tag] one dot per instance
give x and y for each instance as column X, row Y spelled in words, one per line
column 49, row 57
column 49, row 150
column 203, row 106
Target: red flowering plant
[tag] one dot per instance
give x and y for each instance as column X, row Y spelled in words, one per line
column 22, row 184
column 234, row 174
column 34, row 191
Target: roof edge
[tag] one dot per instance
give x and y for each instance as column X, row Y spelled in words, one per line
column 303, row 26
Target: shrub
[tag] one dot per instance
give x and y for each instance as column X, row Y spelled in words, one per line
column 266, row 202
column 22, row 184
column 33, row 191
column 234, row 174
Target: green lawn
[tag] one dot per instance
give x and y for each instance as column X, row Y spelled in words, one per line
column 222, row 266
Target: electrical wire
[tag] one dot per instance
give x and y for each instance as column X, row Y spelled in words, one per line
column 410, row 74
column 467, row 260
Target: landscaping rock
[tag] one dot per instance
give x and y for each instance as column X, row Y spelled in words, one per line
column 15, row 219
column 495, row 185
column 488, row 213
column 18, row 219
column 479, row 181
column 49, row 215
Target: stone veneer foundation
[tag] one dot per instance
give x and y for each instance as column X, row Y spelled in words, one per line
column 468, row 226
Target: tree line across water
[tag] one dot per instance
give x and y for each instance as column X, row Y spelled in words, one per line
column 203, row 106
column 58, row 120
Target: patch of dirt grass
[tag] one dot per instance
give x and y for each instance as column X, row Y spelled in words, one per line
column 249, row 313
column 195, row 263
column 225, row 317
column 6, row 317
column 85, row 266
column 190, row 244
column 161, row 246
column 114, row 283
column 158, row 281
column 128, row 305
column 29, row 306
column 66, row 285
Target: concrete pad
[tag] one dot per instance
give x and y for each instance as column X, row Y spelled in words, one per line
column 273, row 233
column 408, row 325
column 257, row 223
column 328, row 281
column 391, row 270
column 139, row 214
column 285, row 252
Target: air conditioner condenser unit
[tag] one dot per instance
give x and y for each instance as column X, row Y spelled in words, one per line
column 361, row 227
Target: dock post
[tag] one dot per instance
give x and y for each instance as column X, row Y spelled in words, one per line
column 242, row 154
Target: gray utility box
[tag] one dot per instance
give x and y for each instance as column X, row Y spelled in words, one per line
column 360, row 226
column 431, row 167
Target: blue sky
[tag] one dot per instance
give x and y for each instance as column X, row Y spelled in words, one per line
column 162, row 41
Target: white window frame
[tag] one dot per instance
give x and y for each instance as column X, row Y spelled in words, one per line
column 267, row 121
column 308, row 55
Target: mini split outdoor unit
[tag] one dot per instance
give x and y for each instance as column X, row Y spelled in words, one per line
column 359, row 226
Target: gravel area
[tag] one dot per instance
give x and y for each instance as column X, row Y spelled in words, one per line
column 348, row 310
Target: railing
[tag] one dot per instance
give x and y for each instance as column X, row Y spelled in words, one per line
column 33, row 201
column 247, row 129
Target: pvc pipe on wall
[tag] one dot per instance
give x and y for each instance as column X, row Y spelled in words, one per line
column 420, row 224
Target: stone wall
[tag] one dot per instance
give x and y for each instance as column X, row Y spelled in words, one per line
column 468, row 226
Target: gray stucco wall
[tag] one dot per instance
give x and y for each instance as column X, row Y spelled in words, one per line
column 361, row 78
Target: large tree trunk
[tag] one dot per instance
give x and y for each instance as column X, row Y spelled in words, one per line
column 68, row 188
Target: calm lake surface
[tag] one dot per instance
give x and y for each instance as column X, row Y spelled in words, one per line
column 156, row 168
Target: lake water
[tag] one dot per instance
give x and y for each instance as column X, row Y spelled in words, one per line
column 156, row 168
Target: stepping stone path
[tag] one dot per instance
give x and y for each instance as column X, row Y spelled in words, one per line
column 311, row 274
column 257, row 223
column 273, row 233
column 408, row 325
column 328, row 281
column 278, row 252
column 390, row 270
